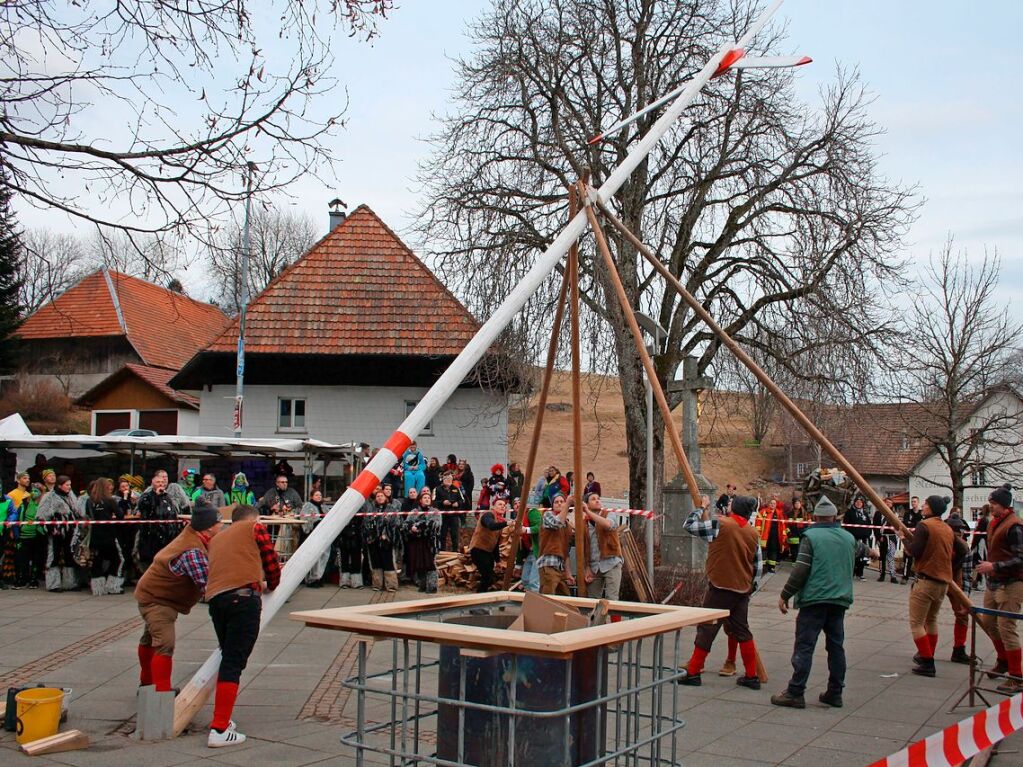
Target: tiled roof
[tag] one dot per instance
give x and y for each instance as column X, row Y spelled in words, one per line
column 155, row 377
column 879, row 439
column 359, row 290
column 158, row 378
column 164, row 327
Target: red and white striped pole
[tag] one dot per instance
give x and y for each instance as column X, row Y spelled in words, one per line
column 355, row 496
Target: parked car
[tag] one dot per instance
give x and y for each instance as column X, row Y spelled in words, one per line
column 131, row 433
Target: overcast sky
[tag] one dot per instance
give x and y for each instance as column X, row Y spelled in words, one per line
column 946, row 85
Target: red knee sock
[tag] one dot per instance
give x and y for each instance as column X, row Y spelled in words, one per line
column 162, row 666
column 145, row 664
column 223, row 705
column 696, row 661
column 999, row 648
column 959, row 632
column 733, row 646
column 934, row 642
column 1014, row 658
column 923, row 646
column 749, row 657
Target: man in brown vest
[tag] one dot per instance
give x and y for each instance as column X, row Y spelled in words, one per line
column 485, row 540
column 1004, row 570
column 555, row 538
column 243, row 563
column 605, row 550
column 171, row 586
column 937, row 553
column 733, row 567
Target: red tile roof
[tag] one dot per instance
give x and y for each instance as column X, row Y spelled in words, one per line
column 359, row 290
column 155, row 377
column 164, row 327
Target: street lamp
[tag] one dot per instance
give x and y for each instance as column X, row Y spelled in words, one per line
column 659, row 334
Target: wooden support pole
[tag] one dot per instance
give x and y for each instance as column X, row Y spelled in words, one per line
column 534, row 442
column 808, row 426
column 637, row 336
column 582, row 539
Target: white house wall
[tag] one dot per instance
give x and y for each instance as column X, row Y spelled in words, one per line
column 931, row 476
column 473, row 424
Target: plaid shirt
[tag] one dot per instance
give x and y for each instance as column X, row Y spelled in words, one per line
column 268, row 555
column 192, row 564
column 708, row 529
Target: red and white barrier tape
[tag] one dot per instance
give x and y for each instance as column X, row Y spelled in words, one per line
column 646, row 513
column 954, row 745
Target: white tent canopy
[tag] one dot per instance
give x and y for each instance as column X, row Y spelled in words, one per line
column 87, row 446
column 14, row 426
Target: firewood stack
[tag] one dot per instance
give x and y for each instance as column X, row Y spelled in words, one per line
column 456, row 570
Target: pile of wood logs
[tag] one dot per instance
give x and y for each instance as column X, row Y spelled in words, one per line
column 456, row 570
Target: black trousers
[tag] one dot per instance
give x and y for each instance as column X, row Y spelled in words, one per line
column 736, row 624
column 380, row 556
column 350, row 555
column 811, row 621
column 450, row 525
column 484, row 561
column 30, row 559
column 107, row 558
column 236, row 621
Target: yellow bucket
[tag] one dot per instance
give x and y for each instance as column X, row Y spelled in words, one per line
column 38, row 713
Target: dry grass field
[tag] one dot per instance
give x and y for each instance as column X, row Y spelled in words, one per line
column 724, row 435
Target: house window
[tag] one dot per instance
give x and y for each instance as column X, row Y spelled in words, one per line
column 410, row 405
column 905, row 442
column 290, row 414
column 978, row 475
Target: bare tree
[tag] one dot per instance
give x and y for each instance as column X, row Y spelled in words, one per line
column 143, row 117
column 957, row 370
column 146, row 256
column 52, row 262
column 758, row 202
column 278, row 238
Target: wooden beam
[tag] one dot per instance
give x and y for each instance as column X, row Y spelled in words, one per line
column 72, row 740
column 582, row 538
column 534, row 442
column 644, row 356
column 783, row 399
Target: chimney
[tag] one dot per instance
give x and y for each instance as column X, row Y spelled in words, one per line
column 338, row 215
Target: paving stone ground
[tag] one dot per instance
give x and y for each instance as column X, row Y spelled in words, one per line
column 293, row 707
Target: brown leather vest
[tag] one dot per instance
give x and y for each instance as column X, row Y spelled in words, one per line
column 936, row 560
column 608, row 543
column 159, row 586
column 554, row 541
column 998, row 549
column 234, row 559
column 731, row 556
column 484, row 539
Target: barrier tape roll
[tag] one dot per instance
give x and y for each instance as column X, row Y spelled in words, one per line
column 954, row 745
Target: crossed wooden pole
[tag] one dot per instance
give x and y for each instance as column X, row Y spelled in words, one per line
column 592, row 203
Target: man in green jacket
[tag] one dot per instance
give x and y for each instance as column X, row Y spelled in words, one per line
column 821, row 582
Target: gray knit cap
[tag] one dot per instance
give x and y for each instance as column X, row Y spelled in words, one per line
column 825, row 508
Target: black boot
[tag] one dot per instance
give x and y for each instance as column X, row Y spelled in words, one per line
column 925, row 667
column 959, row 655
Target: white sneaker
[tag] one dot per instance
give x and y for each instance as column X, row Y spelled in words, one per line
column 228, row 737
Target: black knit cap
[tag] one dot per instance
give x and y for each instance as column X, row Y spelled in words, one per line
column 938, row 504
column 744, row 506
column 1002, row 496
column 204, row 517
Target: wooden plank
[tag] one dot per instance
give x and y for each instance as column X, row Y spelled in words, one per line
column 72, row 740
column 634, row 567
column 379, row 620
